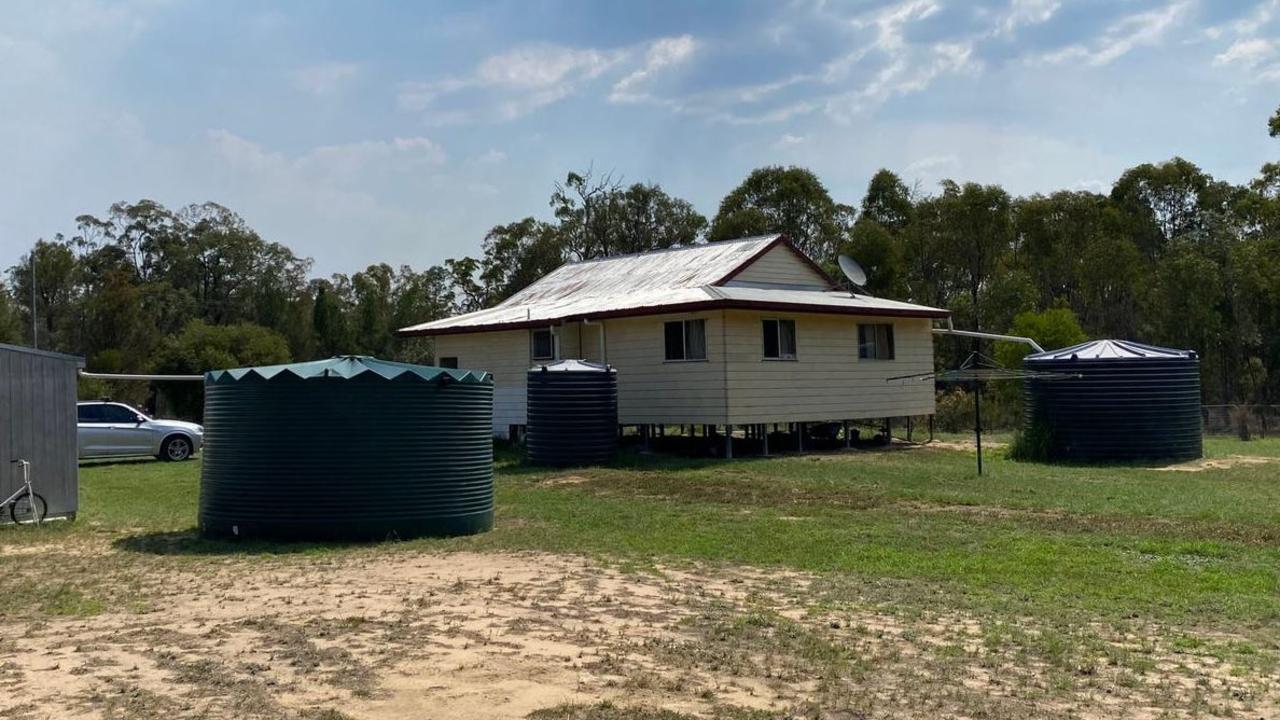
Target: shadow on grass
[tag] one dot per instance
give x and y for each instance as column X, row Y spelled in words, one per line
column 109, row 462
column 189, row 542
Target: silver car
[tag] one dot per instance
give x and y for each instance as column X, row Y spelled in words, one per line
column 109, row 429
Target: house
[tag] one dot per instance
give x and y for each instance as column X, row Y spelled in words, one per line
column 736, row 333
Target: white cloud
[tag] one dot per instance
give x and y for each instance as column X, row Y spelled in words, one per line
column 1254, row 47
column 663, row 53
column 342, row 164
column 325, row 79
column 907, row 73
column 492, row 156
column 1026, row 12
column 511, row 84
column 1248, row 53
column 788, row 140
column 1141, row 29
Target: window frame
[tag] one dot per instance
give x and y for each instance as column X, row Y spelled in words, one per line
column 445, row 360
column 876, row 337
column 782, row 356
column 684, row 341
column 533, row 344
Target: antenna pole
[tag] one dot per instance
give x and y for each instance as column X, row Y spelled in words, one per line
column 35, row 338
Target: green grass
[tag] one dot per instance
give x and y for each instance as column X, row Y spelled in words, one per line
column 913, row 528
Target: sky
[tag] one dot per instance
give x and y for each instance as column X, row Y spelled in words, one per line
column 398, row 132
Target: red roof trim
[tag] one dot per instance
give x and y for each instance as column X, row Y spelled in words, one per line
column 780, row 240
column 680, row 308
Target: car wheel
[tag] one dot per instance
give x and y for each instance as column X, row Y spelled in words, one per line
column 176, row 449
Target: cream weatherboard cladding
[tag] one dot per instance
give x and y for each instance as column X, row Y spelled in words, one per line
column 614, row 309
column 825, row 382
column 780, row 266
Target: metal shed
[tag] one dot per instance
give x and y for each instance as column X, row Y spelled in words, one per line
column 38, row 407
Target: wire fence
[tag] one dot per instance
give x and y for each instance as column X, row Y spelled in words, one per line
column 1245, row 421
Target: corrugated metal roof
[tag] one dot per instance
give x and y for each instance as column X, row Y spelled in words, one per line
column 643, row 273
column 838, row 300
column 1111, row 350
column 346, row 367
column 675, row 280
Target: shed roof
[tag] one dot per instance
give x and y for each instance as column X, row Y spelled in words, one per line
column 1111, row 350
column 79, row 361
column 346, row 367
column 664, row 281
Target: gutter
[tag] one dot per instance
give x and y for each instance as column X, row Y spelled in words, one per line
column 951, row 330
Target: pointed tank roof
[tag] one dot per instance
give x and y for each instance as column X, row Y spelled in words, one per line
column 1119, row 350
column 571, row 365
column 347, row 367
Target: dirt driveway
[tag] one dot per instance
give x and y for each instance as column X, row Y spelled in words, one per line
column 463, row 635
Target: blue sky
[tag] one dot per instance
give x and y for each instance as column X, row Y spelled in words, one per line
column 400, row 132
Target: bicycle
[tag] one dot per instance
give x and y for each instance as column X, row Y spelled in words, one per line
column 26, row 507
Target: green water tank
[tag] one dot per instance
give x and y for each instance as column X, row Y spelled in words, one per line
column 350, row 448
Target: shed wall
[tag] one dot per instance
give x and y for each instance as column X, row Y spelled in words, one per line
column 38, row 409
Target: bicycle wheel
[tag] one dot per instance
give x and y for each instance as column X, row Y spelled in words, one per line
column 28, row 509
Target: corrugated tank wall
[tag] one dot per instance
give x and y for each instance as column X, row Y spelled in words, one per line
column 1119, row 409
column 346, row 458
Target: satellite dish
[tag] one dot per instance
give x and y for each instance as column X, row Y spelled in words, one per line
column 853, row 271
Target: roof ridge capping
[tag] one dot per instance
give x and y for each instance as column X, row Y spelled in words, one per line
column 678, row 248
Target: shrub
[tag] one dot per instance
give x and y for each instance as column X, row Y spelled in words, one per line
column 1031, row 444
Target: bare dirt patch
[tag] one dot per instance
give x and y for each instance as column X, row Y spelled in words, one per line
column 379, row 634
column 1222, row 463
column 963, row 445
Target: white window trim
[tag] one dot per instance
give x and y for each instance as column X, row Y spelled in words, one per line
column 858, row 340
column 683, row 333
column 781, row 357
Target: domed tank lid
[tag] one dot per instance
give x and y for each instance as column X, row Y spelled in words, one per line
column 347, row 367
column 1111, row 350
column 571, row 366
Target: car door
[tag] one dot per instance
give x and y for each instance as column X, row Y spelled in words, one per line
column 94, row 431
column 124, row 435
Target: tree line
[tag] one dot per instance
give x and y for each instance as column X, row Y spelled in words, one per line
column 1170, row 256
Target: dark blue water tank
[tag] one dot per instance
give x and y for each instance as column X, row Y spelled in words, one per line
column 573, row 413
column 1115, row 400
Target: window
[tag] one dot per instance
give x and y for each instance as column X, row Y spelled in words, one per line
column 543, row 345
column 448, row 362
column 875, row 342
column 89, row 413
column 686, row 340
column 779, row 339
column 118, row 414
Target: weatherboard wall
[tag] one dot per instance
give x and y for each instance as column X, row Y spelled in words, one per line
column 780, row 266
column 735, row 384
column 827, row 380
